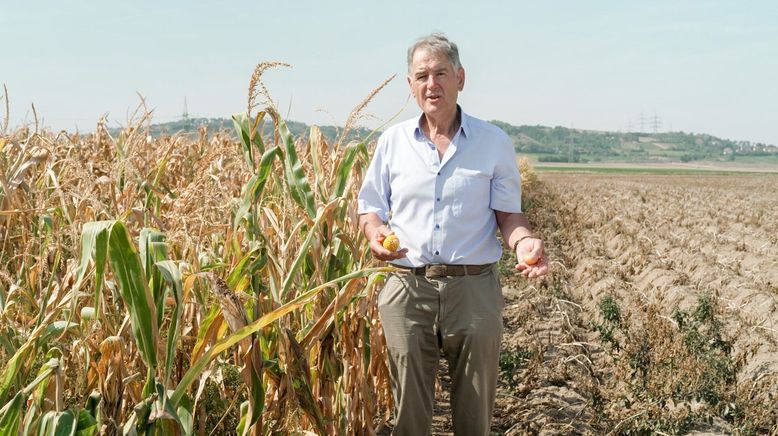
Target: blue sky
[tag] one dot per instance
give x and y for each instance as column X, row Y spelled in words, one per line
column 699, row 66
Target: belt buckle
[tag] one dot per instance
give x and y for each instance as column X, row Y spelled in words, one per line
column 435, row 270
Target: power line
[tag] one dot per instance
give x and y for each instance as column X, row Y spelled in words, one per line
column 185, row 115
column 656, row 123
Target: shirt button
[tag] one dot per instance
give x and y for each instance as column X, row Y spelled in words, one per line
column 438, row 173
column 437, row 253
column 437, row 226
column 438, row 199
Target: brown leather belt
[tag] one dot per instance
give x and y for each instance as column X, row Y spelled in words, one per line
column 440, row 270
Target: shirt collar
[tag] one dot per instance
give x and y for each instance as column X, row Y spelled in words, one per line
column 464, row 125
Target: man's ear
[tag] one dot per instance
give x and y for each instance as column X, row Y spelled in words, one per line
column 460, row 79
column 410, row 84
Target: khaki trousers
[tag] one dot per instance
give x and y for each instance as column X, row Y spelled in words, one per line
column 459, row 318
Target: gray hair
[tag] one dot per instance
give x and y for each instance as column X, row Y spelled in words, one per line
column 436, row 43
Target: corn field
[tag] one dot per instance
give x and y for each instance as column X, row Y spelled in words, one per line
column 180, row 285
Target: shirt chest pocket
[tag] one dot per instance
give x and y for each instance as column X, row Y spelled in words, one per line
column 471, row 192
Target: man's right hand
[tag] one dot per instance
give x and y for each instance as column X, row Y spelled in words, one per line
column 377, row 245
column 376, row 231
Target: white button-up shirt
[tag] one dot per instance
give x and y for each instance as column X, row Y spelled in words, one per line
column 443, row 211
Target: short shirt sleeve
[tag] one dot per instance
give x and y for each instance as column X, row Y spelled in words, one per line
column 375, row 192
column 506, row 182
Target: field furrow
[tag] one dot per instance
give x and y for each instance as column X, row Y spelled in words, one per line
column 660, row 315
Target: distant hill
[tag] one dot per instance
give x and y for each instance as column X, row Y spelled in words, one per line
column 560, row 144
column 192, row 125
column 554, row 144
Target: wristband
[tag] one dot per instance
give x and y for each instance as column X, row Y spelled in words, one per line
column 516, row 244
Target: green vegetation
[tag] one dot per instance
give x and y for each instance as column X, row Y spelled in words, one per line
column 611, row 315
column 677, row 374
column 511, row 364
column 560, row 144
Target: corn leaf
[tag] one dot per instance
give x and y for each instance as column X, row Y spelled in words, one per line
column 14, row 367
column 256, row 136
column 257, row 389
column 326, row 319
column 58, row 328
column 315, row 141
column 207, row 332
column 87, row 424
column 250, row 135
column 172, row 275
column 237, row 272
column 32, row 418
column 305, row 248
column 94, row 239
column 252, row 195
column 242, row 126
column 184, row 410
column 164, row 418
column 265, row 166
column 344, row 168
column 10, row 415
column 225, row 343
column 58, row 424
column 152, row 249
column 243, row 427
column 295, row 175
column 127, row 269
column 43, row 375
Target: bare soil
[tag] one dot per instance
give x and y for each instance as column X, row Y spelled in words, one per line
column 695, row 166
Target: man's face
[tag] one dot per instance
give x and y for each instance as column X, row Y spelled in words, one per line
column 434, row 82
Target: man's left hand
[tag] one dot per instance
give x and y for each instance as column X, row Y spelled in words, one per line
column 531, row 258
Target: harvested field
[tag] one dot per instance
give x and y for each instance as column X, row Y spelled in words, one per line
column 659, row 316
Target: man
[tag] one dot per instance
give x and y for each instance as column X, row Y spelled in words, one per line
column 444, row 183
